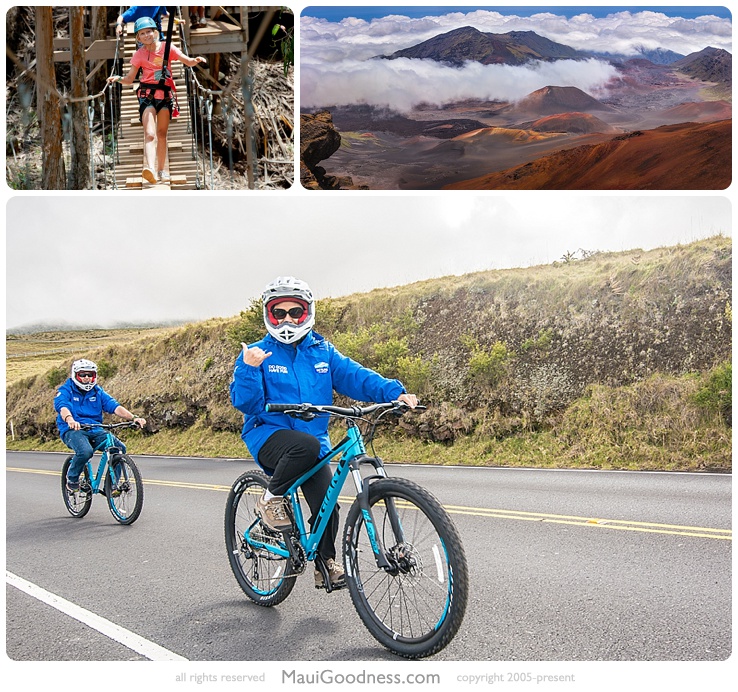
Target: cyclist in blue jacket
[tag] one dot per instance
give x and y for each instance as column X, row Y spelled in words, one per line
column 81, row 401
column 294, row 364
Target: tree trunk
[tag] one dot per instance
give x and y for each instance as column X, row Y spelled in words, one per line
column 98, row 32
column 81, row 173
column 52, row 161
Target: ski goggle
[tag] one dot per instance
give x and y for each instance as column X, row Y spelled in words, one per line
column 85, row 373
column 295, row 313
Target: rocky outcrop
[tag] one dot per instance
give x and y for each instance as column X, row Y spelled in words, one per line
column 319, row 139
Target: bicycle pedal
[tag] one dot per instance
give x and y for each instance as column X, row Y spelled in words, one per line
column 334, row 587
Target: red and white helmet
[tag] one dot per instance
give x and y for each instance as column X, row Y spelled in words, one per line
column 288, row 288
column 84, row 366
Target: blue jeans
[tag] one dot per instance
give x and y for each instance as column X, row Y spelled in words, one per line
column 83, row 444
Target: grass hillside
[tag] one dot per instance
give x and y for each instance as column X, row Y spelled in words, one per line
column 600, row 360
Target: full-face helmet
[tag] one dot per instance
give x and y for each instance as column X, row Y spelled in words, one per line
column 84, row 367
column 282, row 289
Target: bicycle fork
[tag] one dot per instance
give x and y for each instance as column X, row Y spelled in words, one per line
column 362, row 494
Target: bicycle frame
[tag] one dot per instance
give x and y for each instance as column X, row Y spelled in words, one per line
column 353, row 454
column 108, row 447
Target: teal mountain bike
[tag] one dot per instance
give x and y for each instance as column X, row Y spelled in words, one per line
column 405, row 565
column 117, row 477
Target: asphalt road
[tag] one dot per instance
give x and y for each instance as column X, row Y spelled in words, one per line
column 564, row 566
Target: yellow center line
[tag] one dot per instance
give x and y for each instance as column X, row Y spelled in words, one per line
column 492, row 513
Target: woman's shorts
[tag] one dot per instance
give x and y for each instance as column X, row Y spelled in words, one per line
column 145, row 102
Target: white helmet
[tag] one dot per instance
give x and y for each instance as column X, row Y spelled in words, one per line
column 86, row 366
column 288, row 288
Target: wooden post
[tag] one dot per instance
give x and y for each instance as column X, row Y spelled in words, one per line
column 81, row 173
column 248, row 108
column 47, row 99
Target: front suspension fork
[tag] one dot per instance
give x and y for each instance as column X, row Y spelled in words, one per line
column 362, row 494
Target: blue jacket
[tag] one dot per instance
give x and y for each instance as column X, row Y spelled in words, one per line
column 86, row 407
column 307, row 373
column 137, row 11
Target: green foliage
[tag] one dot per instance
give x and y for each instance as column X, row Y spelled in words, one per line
column 249, row 328
column 56, row 376
column 327, row 317
column 715, row 395
column 208, row 364
column 106, row 369
column 414, row 373
column 388, row 352
column 488, row 366
column 542, row 342
column 383, row 347
column 285, row 44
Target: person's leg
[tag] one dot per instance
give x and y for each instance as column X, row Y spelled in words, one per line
column 162, row 127
column 314, row 490
column 149, row 122
column 78, row 442
column 291, row 454
column 288, row 454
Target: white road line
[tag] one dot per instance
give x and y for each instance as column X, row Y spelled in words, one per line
column 152, row 651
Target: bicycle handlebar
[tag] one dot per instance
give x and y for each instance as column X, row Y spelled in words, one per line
column 352, row 412
column 109, row 426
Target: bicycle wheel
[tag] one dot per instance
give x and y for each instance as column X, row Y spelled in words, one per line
column 415, row 609
column 267, row 579
column 126, row 495
column 77, row 503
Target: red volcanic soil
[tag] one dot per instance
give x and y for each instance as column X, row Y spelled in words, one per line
column 698, row 112
column 580, row 123
column 688, row 156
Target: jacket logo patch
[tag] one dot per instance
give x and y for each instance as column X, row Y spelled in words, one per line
column 93, row 398
column 278, row 368
column 321, row 367
column 75, row 398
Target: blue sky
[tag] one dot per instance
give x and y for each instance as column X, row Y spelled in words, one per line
column 335, row 14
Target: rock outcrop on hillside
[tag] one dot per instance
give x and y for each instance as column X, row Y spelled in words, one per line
column 319, row 139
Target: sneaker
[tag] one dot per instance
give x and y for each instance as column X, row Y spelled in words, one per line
column 148, row 175
column 335, row 573
column 203, row 21
column 72, row 486
column 273, row 513
column 164, row 177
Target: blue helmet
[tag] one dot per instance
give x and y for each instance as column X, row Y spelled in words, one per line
column 144, row 23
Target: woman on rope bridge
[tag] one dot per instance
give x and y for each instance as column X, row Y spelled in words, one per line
column 155, row 102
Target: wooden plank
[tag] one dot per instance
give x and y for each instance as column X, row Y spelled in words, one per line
column 138, row 148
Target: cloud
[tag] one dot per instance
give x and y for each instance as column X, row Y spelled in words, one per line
column 624, row 31
column 337, row 66
column 404, row 83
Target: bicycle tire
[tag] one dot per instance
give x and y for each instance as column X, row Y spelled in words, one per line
column 125, row 501
column 77, row 503
column 418, row 610
column 264, row 577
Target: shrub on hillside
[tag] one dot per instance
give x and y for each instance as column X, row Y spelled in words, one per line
column 56, row 376
column 715, row 395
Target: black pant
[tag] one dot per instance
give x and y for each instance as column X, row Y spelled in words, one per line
column 288, row 454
